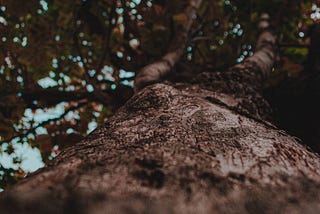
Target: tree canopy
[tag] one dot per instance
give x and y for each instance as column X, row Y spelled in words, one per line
column 66, row 66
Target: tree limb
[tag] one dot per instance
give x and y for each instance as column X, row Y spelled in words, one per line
column 155, row 71
column 265, row 54
column 246, row 80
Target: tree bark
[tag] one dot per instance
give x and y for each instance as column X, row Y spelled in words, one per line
column 182, row 148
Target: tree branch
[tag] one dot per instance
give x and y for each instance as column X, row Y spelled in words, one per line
column 245, row 80
column 155, row 71
column 264, row 56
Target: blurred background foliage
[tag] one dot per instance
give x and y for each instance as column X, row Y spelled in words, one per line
column 66, row 66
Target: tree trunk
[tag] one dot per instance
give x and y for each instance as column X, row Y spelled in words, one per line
column 175, row 148
column 182, row 148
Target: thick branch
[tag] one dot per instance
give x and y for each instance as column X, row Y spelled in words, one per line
column 264, row 57
column 244, row 81
column 154, row 72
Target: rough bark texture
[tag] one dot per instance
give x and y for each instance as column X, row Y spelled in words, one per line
column 182, row 148
column 175, row 149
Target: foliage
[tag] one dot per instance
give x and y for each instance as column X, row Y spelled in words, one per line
column 77, row 59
